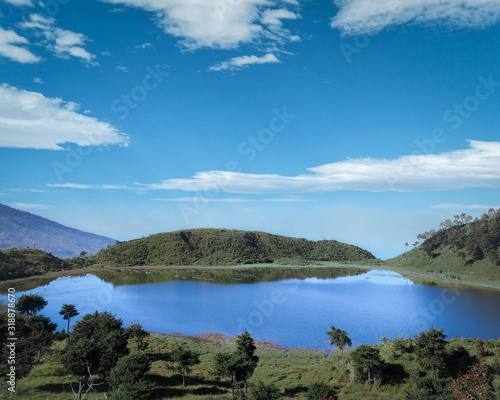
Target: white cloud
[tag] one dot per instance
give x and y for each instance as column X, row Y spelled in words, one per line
column 476, row 166
column 31, row 120
column 365, row 16
column 83, row 186
column 10, row 48
column 143, row 46
column 237, row 63
column 20, row 2
column 26, row 206
column 121, row 68
column 223, row 24
column 61, row 42
column 274, row 17
column 38, row 80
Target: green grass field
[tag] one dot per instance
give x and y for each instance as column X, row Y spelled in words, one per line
column 290, row 370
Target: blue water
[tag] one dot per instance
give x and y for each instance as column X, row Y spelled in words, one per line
column 291, row 313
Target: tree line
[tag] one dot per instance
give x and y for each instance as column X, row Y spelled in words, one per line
column 472, row 239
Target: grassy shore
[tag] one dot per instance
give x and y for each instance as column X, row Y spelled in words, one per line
column 290, row 370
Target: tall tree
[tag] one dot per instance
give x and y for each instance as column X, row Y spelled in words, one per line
column 184, row 359
column 98, row 341
column 339, row 338
column 30, row 304
column 68, row 312
column 248, row 360
column 430, row 348
column 366, row 358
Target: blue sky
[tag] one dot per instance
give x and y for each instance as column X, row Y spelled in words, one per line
column 364, row 121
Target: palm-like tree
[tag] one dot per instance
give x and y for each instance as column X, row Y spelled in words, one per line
column 68, row 311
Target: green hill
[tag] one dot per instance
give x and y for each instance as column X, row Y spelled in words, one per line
column 226, row 247
column 458, row 250
column 21, row 263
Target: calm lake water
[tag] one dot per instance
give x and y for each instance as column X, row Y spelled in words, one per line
column 292, row 313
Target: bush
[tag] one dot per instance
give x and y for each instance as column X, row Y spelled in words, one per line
column 318, row 391
column 262, row 391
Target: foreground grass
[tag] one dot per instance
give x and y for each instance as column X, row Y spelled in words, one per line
column 291, row 370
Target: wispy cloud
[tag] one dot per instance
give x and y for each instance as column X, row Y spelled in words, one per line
column 121, row 68
column 143, row 46
column 31, row 120
column 220, row 24
column 465, row 206
column 231, row 200
column 83, row 186
column 237, row 63
column 61, row 42
column 38, row 80
column 27, row 190
column 10, row 47
column 365, row 16
column 476, row 166
column 20, row 2
column 26, row 206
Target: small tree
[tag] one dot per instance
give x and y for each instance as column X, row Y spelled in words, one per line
column 136, row 332
column 68, row 312
column 184, row 359
column 430, row 348
column 339, row 338
column 30, row 304
column 128, row 378
column 366, row 358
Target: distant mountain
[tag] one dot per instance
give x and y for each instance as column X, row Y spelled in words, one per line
column 226, row 247
column 463, row 250
column 22, row 229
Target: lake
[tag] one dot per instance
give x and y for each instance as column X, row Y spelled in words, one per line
column 291, row 313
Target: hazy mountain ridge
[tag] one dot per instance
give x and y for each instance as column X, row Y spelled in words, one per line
column 22, row 229
column 207, row 246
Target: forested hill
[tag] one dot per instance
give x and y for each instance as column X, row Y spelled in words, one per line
column 226, row 247
column 462, row 246
column 22, row 229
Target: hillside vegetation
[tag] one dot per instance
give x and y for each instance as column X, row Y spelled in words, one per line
column 227, row 247
column 21, row 263
column 459, row 250
column 22, row 229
